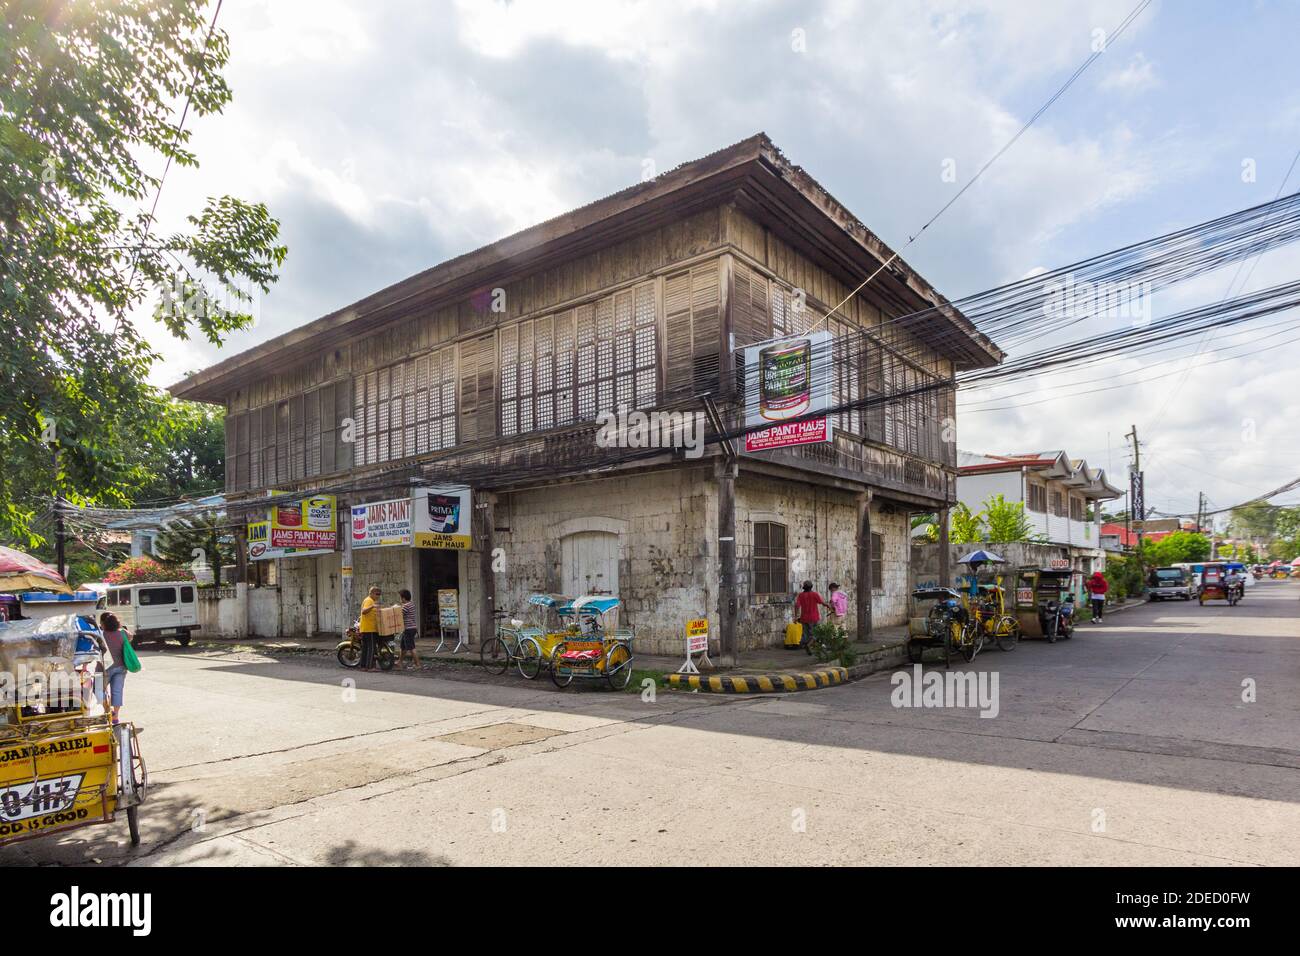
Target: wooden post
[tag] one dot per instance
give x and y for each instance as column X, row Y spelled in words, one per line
column 725, row 472
column 944, row 581
column 864, row 566
column 487, row 581
column 241, row 553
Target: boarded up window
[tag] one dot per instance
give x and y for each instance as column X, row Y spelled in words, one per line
column 751, row 320
column 847, row 345
column 692, row 329
column 477, row 409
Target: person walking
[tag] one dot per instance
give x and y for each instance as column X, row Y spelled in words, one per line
column 839, row 602
column 409, row 628
column 1097, row 586
column 807, row 612
column 114, row 641
column 370, row 628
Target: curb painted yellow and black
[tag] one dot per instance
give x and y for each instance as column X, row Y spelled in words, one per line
column 760, row 683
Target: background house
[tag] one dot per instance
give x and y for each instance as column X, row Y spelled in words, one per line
column 1060, row 495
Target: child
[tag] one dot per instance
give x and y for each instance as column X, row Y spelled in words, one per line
column 410, row 628
column 839, row 602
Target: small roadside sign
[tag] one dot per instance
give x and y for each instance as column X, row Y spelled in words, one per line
column 697, row 642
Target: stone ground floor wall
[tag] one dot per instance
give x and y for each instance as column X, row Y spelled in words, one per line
column 651, row 539
column 655, row 533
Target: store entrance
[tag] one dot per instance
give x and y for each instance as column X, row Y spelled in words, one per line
column 439, row 569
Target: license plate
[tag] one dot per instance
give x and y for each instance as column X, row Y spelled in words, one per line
column 169, row 630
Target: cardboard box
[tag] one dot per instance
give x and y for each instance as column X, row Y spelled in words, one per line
column 390, row 620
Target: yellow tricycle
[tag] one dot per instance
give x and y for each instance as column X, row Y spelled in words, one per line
column 64, row 764
column 589, row 648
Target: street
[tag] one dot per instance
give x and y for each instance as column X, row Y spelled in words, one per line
column 1130, row 744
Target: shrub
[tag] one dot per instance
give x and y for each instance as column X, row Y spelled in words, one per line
column 829, row 642
column 143, row 570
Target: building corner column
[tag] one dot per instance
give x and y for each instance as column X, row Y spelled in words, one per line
column 486, row 507
column 725, row 474
column 864, row 612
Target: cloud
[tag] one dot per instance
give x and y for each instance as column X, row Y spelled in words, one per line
column 1136, row 76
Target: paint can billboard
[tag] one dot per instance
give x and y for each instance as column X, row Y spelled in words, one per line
column 787, row 382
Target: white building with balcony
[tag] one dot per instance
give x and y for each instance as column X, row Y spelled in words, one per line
column 1060, row 495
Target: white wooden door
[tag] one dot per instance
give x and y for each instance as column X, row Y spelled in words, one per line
column 590, row 563
column 329, row 593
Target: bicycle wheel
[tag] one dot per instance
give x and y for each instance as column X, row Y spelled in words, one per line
column 1006, row 631
column 530, row 659
column 972, row 641
column 560, row 679
column 494, row 656
column 618, row 666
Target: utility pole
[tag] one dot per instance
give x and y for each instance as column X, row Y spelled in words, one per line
column 1200, row 510
column 1135, row 481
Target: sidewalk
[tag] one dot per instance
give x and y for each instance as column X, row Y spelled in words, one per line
column 774, row 664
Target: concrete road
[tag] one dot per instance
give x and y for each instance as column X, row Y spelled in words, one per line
column 1168, row 735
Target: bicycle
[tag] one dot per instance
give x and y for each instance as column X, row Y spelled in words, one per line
column 511, row 646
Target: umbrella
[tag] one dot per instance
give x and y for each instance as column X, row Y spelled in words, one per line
column 1296, row 563
column 981, row 556
column 22, row 572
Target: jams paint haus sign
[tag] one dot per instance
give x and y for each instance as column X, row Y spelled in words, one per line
column 382, row 524
column 786, row 381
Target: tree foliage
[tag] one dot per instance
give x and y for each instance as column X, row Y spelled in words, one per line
column 964, row 526
column 1177, row 548
column 1006, row 522
column 92, row 94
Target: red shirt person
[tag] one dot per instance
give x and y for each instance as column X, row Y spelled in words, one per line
column 1097, row 586
column 807, row 606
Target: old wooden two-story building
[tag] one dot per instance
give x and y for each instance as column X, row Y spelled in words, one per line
column 491, row 372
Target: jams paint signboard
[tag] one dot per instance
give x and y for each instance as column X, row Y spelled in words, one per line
column 441, row 518
column 259, row 545
column 382, row 524
column 786, row 381
column 311, row 523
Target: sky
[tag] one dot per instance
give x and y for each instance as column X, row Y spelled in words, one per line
column 389, row 136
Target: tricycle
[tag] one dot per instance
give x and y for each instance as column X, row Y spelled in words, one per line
column 64, row 763
column 1216, row 586
column 587, row 647
column 943, row 625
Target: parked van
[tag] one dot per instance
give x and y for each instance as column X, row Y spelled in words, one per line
column 1166, row 584
column 155, row 612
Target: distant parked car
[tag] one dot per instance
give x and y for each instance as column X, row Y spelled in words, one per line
column 155, row 612
column 1166, row 584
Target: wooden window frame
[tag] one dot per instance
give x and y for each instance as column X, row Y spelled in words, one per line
column 768, row 560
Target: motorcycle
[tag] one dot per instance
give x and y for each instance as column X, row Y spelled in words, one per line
column 348, row 651
column 1057, row 619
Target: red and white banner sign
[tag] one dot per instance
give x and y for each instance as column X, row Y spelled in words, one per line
column 783, row 436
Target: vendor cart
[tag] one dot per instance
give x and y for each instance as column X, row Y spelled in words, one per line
column 64, row 764
column 1041, row 594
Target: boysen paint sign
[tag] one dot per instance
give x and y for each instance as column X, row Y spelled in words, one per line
column 787, row 379
column 310, row 523
column 382, row 524
column 441, row 518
